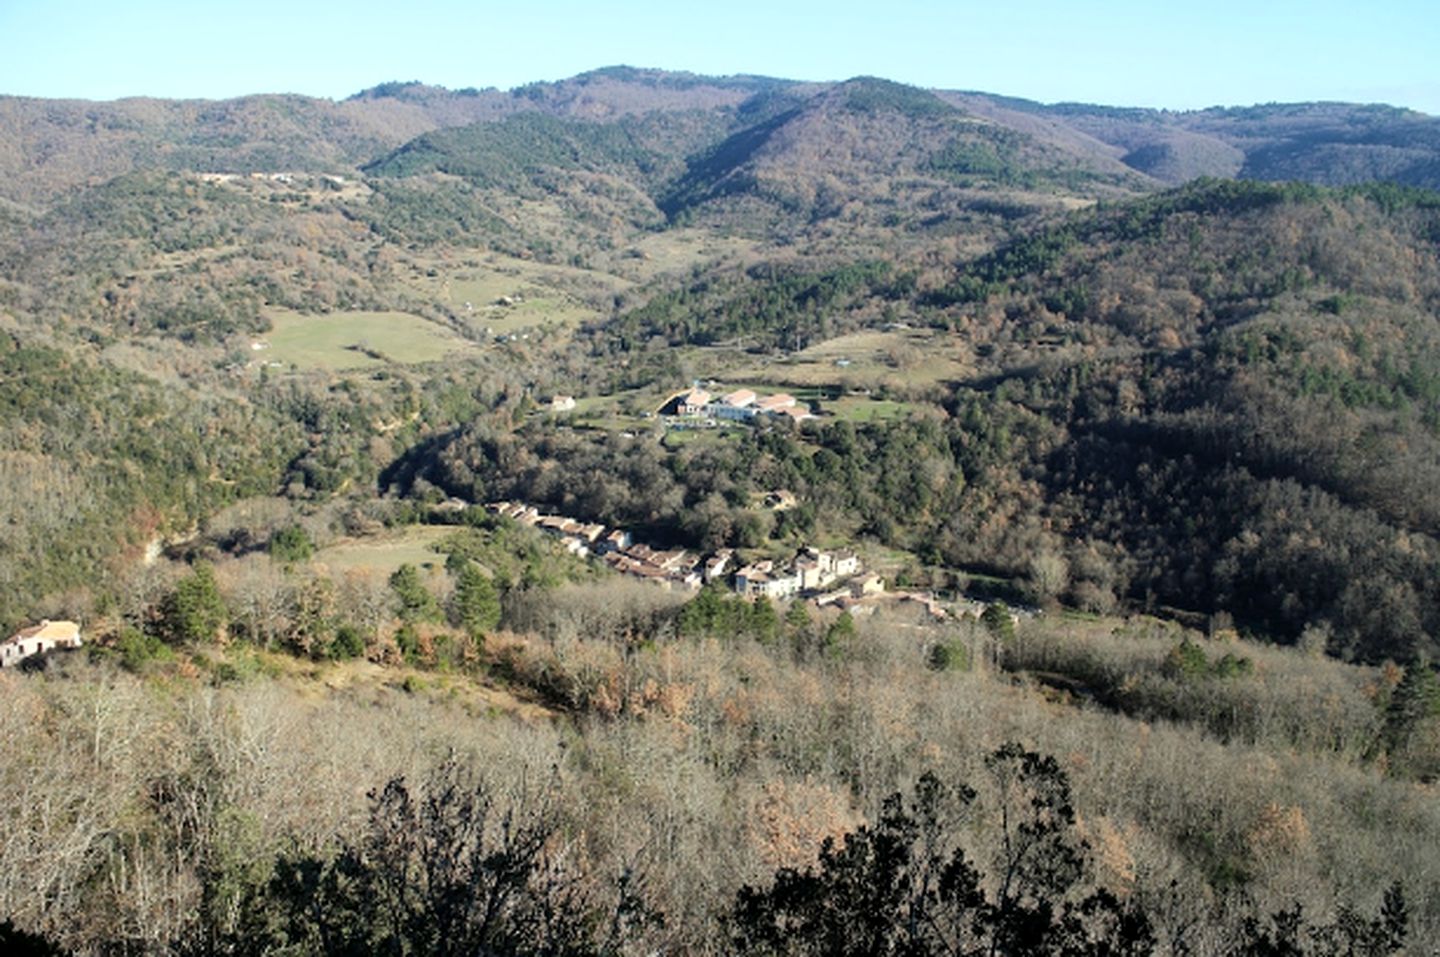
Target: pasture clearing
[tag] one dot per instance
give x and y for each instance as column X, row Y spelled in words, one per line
column 871, row 359
column 675, row 251
column 629, row 411
column 499, row 295
column 355, row 340
column 384, row 553
column 862, row 409
column 678, row 438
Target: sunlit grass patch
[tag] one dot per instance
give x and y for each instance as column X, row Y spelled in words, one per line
column 355, row 340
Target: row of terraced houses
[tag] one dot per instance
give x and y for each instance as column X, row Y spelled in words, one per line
column 826, row 576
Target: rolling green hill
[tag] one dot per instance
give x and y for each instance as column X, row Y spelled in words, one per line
column 879, row 150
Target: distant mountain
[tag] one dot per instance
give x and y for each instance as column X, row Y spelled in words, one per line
column 51, row 146
column 889, row 146
column 775, row 134
column 627, row 91
column 865, row 151
column 1331, row 144
column 512, row 152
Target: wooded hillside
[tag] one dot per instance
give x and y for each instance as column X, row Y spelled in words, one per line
column 1133, row 419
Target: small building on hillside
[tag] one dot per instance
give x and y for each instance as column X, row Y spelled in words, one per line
column 617, row 541
column 813, row 573
column 845, row 564
column 737, row 406
column 739, row 399
column 689, row 403
column 716, row 565
column 644, row 553
column 676, row 560
column 762, row 578
column 780, row 500
column 562, row 403
column 871, row 584
column 794, row 413
column 38, row 639
column 818, row 568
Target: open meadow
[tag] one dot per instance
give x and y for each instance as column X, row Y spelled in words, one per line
column 355, row 340
column 385, row 552
column 676, row 251
column 872, row 359
column 499, row 295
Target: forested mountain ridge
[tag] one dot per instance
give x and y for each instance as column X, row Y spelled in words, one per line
column 1326, row 143
column 1281, row 342
column 50, row 145
column 47, row 146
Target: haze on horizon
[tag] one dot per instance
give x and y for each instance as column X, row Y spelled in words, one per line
column 1124, row 53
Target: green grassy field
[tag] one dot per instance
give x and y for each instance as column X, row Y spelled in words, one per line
column 676, row 251
column 675, row 438
column 386, row 552
column 596, row 405
column 473, row 283
column 532, row 312
column 857, row 408
column 627, row 404
column 871, row 359
column 355, row 340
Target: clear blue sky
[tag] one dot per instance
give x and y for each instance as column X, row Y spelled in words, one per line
column 1154, row 53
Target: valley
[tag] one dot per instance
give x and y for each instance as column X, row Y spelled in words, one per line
column 1131, row 419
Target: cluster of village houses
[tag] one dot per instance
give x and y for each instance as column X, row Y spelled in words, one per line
column 38, row 639
column 287, row 179
column 835, row 578
column 827, row 577
column 742, row 405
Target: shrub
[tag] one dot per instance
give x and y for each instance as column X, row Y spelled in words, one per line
column 948, row 656
column 291, row 545
column 137, row 649
column 348, row 643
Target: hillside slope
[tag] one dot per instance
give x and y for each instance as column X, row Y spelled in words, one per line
column 1224, row 398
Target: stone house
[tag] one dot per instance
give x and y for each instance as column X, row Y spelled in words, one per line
column 38, row 639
